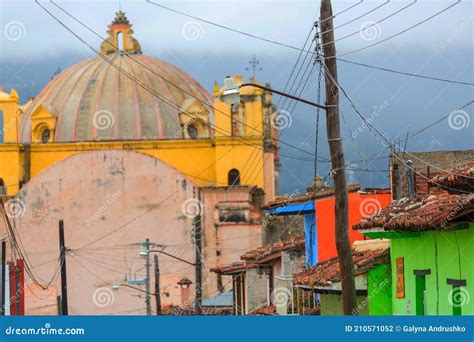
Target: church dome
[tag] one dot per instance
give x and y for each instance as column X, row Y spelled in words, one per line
column 94, row 101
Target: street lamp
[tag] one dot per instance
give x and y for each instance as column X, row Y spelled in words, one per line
column 231, row 93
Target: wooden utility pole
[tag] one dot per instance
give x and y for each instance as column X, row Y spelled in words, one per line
column 198, row 264
column 337, row 160
column 62, row 257
column 157, row 285
column 4, row 270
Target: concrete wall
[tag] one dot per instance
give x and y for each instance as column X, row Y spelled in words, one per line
column 224, row 242
column 256, row 290
column 441, row 161
column 448, row 255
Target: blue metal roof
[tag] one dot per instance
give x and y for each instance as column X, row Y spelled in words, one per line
column 223, row 299
column 292, row 209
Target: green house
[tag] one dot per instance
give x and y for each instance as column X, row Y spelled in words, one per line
column 373, row 281
column 431, row 246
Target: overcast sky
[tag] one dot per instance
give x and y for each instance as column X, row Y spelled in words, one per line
column 33, row 46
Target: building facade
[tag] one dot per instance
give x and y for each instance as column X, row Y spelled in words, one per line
column 125, row 147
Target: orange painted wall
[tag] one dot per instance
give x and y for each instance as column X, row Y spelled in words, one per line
column 360, row 205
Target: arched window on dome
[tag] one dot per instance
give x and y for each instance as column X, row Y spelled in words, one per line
column 233, row 177
column 119, row 41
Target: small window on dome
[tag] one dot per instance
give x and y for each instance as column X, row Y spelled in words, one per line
column 192, row 131
column 45, row 136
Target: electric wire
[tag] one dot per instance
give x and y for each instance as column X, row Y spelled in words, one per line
column 302, row 50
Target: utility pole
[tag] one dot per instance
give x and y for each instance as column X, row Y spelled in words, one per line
column 198, row 265
column 62, row 257
column 157, row 286
column 4, row 270
column 147, row 279
column 337, row 160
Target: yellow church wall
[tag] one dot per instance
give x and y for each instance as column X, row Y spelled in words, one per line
column 10, row 169
column 248, row 159
column 205, row 161
column 222, row 118
column 254, row 124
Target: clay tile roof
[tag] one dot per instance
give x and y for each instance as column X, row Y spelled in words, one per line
column 327, row 272
column 461, row 178
column 207, row 311
column 294, row 243
column 266, row 310
column 236, row 267
column 431, row 212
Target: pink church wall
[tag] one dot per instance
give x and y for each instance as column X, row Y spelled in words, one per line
column 108, row 200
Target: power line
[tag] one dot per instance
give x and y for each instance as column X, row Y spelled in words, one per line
column 372, row 128
column 403, row 72
column 308, row 51
column 375, row 23
column 399, row 33
column 142, row 84
column 357, row 18
column 239, row 31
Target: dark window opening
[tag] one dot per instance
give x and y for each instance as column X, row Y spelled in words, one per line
column 233, row 177
column 3, row 189
column 192, row 131
column 420, row 295
column 45, row 136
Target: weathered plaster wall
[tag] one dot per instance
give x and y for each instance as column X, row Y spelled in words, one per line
column 108, row 201
column 224, row 242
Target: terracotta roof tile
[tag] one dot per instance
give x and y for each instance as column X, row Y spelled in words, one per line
column 207, row 311
column 236, row 267
column 328, row 272
column 294, row 243
column 431, row 212
column 461, row 178
column 266, row 310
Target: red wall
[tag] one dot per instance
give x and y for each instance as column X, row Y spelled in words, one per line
column 360, row 205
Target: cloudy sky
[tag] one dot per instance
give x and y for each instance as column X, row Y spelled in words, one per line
column 33, row 46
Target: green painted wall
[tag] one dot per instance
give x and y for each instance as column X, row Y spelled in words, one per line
column 379, row 287
column 447, row 255
column 331, row 305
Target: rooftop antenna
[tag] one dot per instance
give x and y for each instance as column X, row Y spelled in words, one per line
column 254, row 62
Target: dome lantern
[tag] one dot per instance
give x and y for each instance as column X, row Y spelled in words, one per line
column 120, row 37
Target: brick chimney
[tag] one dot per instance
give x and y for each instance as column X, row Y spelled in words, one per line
column 186, row 301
